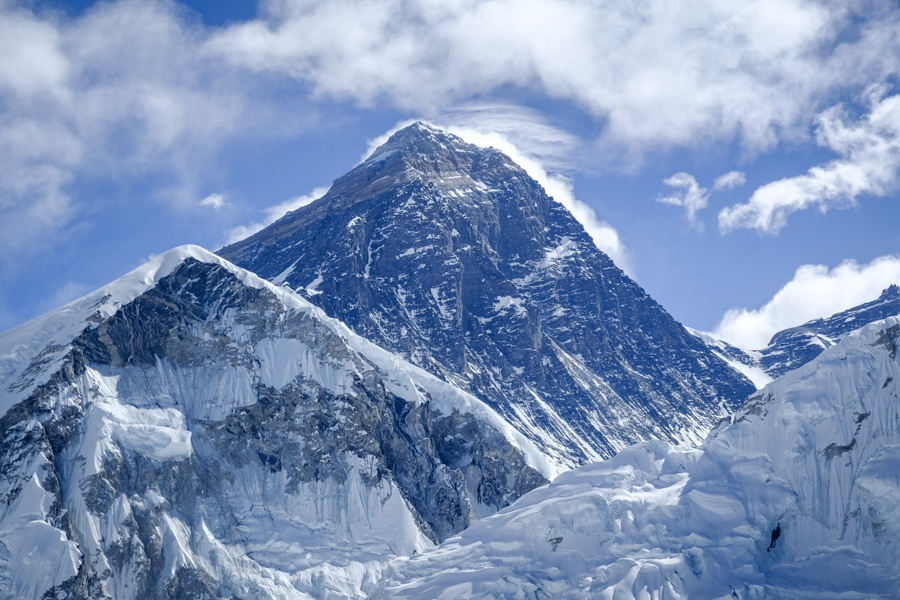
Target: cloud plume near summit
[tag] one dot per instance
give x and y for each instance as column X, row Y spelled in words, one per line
column 141, row 85
column 751, row 73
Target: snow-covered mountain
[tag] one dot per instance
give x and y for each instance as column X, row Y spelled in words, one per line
column 793, row 347
column 796, row 346
column 452, row 256
column 745, row 362
column 797, row 496
column 192, row 431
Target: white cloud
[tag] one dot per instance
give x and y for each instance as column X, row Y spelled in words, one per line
column 141, row 86
column 814, row 292
column 869, row 164
column 273, row 213
column 214, row 201
column 557, row 186
column 34, row 63
column 688, row 194
column 657, row 74
column 38, row 152
column 125, row 90
column 525, row 129
column 729, row 180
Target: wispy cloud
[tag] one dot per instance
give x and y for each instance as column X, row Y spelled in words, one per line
column 125, row 90
column 526, row 129
column 729, row 180
column 139, row 86
column 557, row 185
column 814, row 292
column 273, row 213
column 869, row 165
column 657, row 74
column 688, row 194
column 693, row 197
column 214, row 201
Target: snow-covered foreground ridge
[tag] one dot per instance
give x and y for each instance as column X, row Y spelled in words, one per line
column 796, row 496
column 55, row 329
column 191, row 430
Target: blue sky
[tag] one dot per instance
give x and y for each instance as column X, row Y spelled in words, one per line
column 740, row 161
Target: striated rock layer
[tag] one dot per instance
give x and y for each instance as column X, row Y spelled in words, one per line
column 452, row 256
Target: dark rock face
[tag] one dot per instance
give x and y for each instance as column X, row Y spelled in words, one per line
column 452, row 256
column 181, row 459
column 791, row 348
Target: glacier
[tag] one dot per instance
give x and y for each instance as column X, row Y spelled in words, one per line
column 795, row 496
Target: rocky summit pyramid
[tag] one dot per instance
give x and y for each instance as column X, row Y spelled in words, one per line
column 192, row 431
column 452, row 256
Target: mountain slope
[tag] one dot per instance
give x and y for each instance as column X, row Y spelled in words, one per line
column 793, row 347
column 745, row 362
column 193, row 431
column 790, row 348
column 795, row 497
column 452, row 256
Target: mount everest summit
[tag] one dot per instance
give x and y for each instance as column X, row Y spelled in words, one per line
column 433, row 341
column 453, row 257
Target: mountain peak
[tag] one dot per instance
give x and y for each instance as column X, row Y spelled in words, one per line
column 790, row 348
column 450, row 255
column 419, row 135
column 424, row 148
column 198, row 412
column 420, row 129
column 891, row 291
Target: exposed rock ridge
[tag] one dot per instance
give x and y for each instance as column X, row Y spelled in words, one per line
column 206, row 435
column 452, row 256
